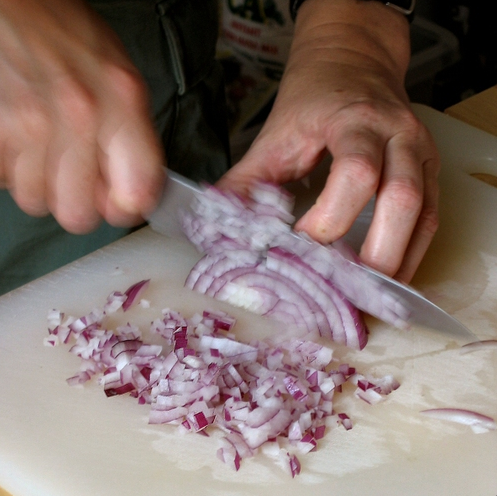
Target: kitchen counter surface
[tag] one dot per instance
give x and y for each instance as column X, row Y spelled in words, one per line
column 479, row 110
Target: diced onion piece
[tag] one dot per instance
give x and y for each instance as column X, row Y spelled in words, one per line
column 133, row 292
column 344, row 419
column 52, row 340
column 294, row 465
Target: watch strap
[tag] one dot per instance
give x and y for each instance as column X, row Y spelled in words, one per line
column 406, row 7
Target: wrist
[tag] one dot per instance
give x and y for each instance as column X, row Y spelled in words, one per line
column 360, row 26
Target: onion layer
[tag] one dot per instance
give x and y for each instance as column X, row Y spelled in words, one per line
column 478, row 422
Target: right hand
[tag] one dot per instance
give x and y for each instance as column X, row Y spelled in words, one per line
column 76, row 137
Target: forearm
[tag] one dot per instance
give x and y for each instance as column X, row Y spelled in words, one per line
column 366, row 34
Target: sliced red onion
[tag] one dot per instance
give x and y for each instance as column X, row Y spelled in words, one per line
column 372, row 390
column 133, row 292
column 128, row 345
column 229, row 452
column 54, row 318
column 478, row 422
column 254, row 260
column 200, row 378
column 342, row 318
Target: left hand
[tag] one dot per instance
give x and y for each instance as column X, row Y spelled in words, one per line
column 343, row 92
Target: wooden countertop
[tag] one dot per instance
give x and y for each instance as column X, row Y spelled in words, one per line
column 479, row 110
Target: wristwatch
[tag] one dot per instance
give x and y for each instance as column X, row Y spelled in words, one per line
column 406, row 7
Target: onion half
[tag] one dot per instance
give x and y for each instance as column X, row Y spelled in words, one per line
column 254, row 260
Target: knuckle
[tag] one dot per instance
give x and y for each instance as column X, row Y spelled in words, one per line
column 405, row 194
column 429, row 221
column 33, row 118
column 414, row 131
column 411, row 122
column 394, row 119
column 133, row 200
column 360, row 170
column 366, row 108
column 433, row 164
column 77, row 103
column 388, row 266
column 127, row 84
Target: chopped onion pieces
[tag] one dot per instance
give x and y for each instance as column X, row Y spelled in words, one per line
column 200, row 377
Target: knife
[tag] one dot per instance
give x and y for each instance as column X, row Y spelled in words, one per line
column 179, row 193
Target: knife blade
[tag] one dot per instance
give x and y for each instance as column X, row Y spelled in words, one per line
column 179, row 193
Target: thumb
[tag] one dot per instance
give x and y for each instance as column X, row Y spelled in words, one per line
column 251, row 169
column 267, row 160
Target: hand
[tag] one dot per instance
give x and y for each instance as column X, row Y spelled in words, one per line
column 342, row 92
column 76, row 137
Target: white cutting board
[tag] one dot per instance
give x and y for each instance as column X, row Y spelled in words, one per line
column 58, row 440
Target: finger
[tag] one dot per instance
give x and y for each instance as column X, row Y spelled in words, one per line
column 7, row 158
column 353, row 179
column 29, row 135
column 72, row 163
column 242, row 176
column 70, row 182
column 108, row 209
column 133, row 168
column 426, row 225
column 261, row 163
column 279, row 154
column 398, row 205
column 28, row 180
column 133, row 172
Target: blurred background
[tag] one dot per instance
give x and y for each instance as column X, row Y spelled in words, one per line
column 454, row 51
